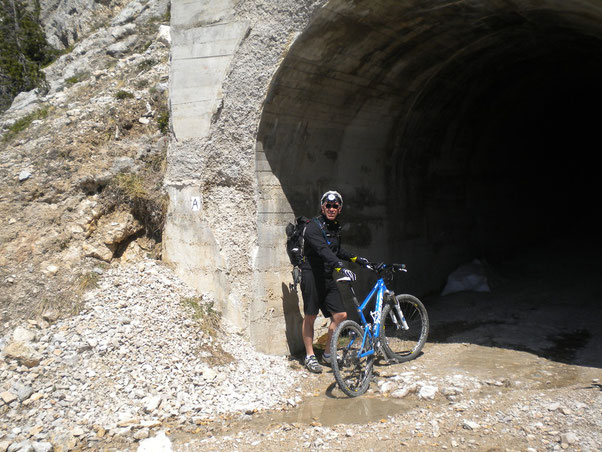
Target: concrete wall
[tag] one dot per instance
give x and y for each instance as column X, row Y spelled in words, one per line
column 427, row 116
column 224, row 55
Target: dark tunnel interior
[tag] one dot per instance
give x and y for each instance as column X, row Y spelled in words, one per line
column 453, row 130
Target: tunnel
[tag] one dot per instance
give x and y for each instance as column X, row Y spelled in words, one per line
column 454, row 130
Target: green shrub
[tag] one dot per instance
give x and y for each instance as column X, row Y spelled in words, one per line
column 24, row 122
column 205, row 314
column 163, row 122
column 122, row 94
column 23, row 50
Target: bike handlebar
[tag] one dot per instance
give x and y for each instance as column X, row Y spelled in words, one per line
column 381, row 267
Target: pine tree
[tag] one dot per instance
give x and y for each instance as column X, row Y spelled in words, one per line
column 23, row 50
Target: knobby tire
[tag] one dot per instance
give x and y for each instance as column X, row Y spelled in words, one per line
column 399, row 344
column 351, row 373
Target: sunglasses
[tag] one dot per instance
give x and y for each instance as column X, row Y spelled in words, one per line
column 331, row 206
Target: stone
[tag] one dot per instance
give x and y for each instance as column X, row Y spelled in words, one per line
column 427, row 392
column 152, row 404
column 8, row 397
column 21, row 334
column 158, row 443
column 42, row 446
column 24, row 175
column 51, row 315
column 568, row 438
column 470, row 425
column 77, row 431
column 52, row 269
column 120, row 48
column 116, row 227
column 122, row 31
column 24, row 392
column 143, row 433
column 23, row 446
column 164, row 34
column 400, row 393
column 23, row 353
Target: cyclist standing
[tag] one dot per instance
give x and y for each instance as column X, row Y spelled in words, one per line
column 322, row 258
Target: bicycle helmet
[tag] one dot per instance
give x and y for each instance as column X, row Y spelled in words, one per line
column 331, row 196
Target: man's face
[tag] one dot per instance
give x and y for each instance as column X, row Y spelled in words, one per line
column 331, row 210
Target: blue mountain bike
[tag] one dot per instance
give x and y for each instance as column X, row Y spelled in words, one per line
column 398, row 330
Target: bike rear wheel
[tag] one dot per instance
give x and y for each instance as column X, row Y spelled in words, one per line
column 351, row 372
column 400, row 343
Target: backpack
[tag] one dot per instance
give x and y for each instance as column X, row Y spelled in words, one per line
column 294, row 240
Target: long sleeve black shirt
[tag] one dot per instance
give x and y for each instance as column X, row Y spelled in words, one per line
column 322, row 248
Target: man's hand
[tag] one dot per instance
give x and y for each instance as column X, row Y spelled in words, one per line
column 344, row 273
column 361, row 261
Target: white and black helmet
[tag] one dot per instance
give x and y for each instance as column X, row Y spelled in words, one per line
column 331, row 196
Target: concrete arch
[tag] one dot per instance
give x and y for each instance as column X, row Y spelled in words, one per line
column 444, row 124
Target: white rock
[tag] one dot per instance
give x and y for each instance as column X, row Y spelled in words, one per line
column 470, row 425
column 152, row 403
column 158, row 443
column 427, row 392
column 24, row 175
column 568, row 438
column 164, row 34
column 52, row 269
column 21, row 334
column 386, row 387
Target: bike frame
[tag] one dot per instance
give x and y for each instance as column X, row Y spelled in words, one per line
column 377, row 291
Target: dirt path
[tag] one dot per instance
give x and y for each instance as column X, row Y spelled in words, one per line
column 504, row 400
column 519, row 368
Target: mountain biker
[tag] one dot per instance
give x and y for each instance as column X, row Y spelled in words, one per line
column 322, row 259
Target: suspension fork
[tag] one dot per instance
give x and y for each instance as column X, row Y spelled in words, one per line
column 402, row 318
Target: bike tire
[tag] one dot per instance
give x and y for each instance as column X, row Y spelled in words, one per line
column 353, row 375
column 399, row 344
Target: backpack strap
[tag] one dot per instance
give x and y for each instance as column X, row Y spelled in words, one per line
column 321, row 225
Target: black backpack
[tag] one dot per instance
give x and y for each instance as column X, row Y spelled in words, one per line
column 294, row 240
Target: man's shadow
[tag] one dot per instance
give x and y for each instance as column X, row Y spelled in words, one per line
column 293, row 320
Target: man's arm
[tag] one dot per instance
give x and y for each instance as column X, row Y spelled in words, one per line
column 314, row 237
column 346, row 255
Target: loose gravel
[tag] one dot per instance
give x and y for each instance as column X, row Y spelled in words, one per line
column 138, row 356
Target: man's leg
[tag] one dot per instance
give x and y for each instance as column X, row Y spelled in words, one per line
column 308, row 333
column 311, row 363
column 335, row 319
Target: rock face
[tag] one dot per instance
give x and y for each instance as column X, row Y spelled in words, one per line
column 75, row 184
column 67, row 22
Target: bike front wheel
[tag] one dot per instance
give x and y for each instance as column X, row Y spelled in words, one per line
column 404, row 330
column 352, row 372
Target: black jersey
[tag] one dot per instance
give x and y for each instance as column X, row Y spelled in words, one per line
column 322, row 246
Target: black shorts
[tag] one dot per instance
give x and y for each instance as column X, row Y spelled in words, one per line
column 320, row 293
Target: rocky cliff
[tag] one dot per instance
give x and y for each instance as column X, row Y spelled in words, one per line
column 82, row 162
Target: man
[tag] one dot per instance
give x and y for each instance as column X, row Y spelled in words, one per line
column 322, row 258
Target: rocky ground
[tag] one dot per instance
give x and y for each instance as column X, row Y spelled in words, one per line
column 144, row 362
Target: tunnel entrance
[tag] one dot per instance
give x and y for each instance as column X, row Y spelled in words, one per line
column 454, row 130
